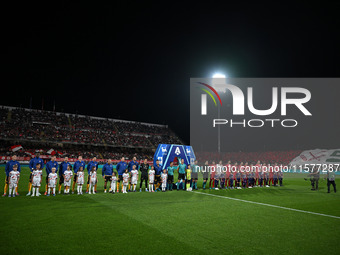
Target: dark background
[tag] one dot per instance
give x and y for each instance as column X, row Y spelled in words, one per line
column 134, row 60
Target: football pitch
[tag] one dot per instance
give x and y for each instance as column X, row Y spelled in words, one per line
column 176, row 222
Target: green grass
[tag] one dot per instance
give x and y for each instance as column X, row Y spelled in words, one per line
column 174, row 222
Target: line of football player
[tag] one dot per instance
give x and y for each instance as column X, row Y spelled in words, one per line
column 129, row 174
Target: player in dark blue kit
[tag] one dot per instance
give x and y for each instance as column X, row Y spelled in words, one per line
column 8, row 169
column 49, row 166
column 158, row 171
column 62, row 168
column 107, row 172
column 32, row 165
column 90, row 165
column 79, row 163
column 120, row 167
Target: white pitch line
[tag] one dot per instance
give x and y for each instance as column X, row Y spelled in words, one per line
column 276, row 206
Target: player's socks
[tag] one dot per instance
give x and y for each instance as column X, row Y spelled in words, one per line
column 87, row 187
column 10, row 192
column 73, row 186
column 134, row 187
column 188, row 186
column 29, row 187
column 5, row 189
column 33, row 192
column 48, row 192
column 118, row 187
column 95, row 187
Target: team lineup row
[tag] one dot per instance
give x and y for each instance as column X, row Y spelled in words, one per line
column 154, row 177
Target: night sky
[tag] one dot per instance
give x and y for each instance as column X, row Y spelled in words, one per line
column 134, row 61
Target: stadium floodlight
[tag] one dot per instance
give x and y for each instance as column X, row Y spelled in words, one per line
column 219, row 75
column 219, row 81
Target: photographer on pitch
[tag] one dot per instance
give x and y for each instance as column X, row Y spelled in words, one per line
column 331, row 180
column 314, row 178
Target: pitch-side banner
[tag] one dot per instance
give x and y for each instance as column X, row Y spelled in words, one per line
column 317, row 156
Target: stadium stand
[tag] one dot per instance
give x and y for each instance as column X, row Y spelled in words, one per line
column 29, row 125
column 72, row 134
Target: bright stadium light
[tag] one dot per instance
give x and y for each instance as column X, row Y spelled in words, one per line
column 219, row 75
column 219, row 81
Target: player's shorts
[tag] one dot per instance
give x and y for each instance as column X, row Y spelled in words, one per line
column 107, row 178
column 181, row 176
column 120, row 178
column 163, row 185
column 157, row 178
column 12, row 185
column 170, row 178
column 80, row 181
column 194, row 176
column 52, row 184
column 151, row 181
column 36, row 182
column 75, row 177
column 125, row 183
column 30, row 178
column 61, row 179
column 134, row 181
column 93, row 181
column 143, row 178
column 67, row 183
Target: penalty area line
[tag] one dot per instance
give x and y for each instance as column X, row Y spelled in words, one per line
column 275, row 206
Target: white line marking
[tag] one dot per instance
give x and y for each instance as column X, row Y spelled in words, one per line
column 276, row 206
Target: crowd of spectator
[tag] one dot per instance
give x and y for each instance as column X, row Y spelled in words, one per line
column 40, row 125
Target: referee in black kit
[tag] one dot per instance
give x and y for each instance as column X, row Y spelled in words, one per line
column 144, row 169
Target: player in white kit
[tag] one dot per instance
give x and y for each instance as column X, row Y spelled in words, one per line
column 126, row 177
column 52, row 181
column 14, row 176
column 93, row 180
column 36, row 180
column 80, row 180
column 134, row 177
column 113, row 182
column 151, row 179
column 67, row 180
column 164, row 177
